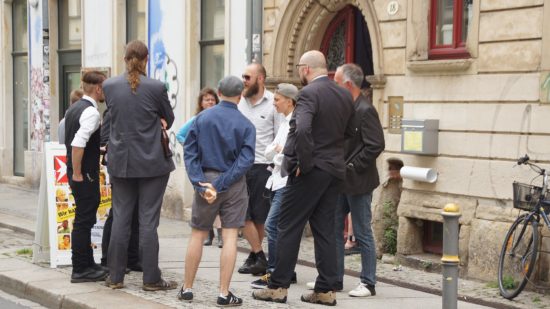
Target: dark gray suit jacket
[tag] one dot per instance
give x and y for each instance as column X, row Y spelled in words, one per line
column 134, row 147
column 363, row 149
column 319, row 124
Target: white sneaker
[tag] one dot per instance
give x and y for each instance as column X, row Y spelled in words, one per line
column 362, row 291
column 311, row 285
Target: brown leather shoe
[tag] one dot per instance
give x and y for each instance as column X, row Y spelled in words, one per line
column 113, row 285
column 327, row 299
column 162, row 285
column 276, row 295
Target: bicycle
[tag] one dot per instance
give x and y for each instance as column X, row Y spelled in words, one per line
column 520, row 249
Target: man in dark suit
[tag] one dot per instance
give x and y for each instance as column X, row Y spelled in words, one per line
column 138, row 167
column 314, row 161
column 361, row 179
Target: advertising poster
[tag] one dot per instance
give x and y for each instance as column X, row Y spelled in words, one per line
column 62, row 207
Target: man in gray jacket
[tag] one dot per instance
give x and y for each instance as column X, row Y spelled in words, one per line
column 138, row 167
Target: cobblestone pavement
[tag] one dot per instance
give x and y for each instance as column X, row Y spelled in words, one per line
column 174, row 236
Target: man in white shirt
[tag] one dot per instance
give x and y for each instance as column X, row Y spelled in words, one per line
column 257, row 105
column 82, row 134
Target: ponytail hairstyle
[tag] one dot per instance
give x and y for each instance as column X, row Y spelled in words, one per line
column 136, row 62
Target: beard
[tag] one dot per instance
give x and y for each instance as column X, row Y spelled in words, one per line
column 252, row 90
column 303, row 80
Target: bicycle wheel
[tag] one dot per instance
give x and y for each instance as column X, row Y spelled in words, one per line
column 518, row 256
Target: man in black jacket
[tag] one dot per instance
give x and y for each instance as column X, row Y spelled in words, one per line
column 361, row 179
column 314, row 161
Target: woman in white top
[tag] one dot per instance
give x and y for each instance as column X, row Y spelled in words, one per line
column 284, row 101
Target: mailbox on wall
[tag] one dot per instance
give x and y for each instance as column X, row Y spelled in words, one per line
column 419, row 136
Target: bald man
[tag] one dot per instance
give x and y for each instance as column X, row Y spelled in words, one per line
column 314, row 163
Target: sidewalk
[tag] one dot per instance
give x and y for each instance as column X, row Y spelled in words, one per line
column 51, row 287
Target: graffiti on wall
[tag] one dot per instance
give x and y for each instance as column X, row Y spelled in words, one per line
column 39, row 80
column 545, row 87
column 161, row 65
column 38, row 110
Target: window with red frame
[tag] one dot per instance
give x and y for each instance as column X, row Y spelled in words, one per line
column 449, row 23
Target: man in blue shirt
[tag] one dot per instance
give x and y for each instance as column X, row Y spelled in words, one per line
column 219, row 150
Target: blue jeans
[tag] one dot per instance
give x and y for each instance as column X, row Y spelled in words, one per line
column 271, row 227
column 361, row 216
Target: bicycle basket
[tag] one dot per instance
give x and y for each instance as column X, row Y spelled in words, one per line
column 526, row 196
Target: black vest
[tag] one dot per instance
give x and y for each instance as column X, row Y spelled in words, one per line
column 90, row 160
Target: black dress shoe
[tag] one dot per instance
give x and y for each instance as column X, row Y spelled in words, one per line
column 259, row 268
column 208, row 241
column 245, row 269
column 88, row 275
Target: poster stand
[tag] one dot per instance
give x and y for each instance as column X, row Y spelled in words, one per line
column 56, row 210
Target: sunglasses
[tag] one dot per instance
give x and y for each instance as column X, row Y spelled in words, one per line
column 246, row 77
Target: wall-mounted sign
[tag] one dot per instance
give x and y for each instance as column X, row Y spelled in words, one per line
column 393, row 8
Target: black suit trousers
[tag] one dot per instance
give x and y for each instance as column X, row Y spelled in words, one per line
column 309, row 197
column 86, row 196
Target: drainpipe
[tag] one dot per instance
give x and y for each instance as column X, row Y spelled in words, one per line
column 254, row 20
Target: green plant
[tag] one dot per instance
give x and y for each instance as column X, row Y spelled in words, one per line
column 509, row 283
column 390, row 227
column 492, row 285
column 536, row 299
column 24, row 251
column 426, row 264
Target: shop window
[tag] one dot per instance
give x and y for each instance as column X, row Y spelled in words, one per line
column 70, row 50
column 449, row 24
column 432, row 241
column 136, row 20
column 212, row 42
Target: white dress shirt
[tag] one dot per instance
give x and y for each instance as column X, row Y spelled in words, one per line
column 90, row 121
column 276, row 181
column 265, row 119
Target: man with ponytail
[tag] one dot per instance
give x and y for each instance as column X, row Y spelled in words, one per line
column 138, row 167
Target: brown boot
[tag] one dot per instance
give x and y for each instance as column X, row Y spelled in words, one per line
column 327, row 299
column 276, row 295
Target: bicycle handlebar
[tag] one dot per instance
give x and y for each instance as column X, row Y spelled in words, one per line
column 523, row 160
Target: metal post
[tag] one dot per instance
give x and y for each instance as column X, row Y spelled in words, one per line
column 450, row 260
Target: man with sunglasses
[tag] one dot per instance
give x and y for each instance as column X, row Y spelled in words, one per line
column 257, row 105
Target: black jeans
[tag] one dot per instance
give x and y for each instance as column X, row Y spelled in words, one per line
column 310, row 197
column 133, row 246
column 86, row 196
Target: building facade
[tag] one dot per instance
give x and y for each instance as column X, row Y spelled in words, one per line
column 46, row 44
column 481, row 68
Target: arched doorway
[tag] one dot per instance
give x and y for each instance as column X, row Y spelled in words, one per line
column 347, row 40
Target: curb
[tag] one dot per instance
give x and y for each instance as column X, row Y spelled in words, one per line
column 49, row 299
column 53, row 289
